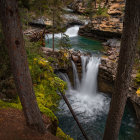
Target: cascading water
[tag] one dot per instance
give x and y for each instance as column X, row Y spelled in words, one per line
column 75, row 75
column 89, row 76
column 65, row 77
column 87, row 103
column 71, row 32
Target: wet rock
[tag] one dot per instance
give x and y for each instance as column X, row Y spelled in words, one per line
column 112, row 43
column 45, row 49
column 75, row 58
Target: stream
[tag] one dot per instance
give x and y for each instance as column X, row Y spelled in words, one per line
column 90, row 106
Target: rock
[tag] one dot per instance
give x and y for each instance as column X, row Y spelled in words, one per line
column 112, row 57
column 106, row 27
column 113, row 43
column 107, row 75
column 41, row 22
column 45, row 49
column 98, row 33
column 75, row 58
column 137, row 109
column 77, row 6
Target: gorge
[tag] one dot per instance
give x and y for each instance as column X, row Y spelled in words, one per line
column 90, row 105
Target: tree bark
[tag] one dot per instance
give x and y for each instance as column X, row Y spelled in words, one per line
column 14, row 41
column 106, row 2
column 125, row 65
column 53, row 33
column 95, row 3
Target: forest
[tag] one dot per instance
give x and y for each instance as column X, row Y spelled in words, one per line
column 69, row 70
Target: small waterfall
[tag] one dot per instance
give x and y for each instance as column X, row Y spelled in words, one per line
column 65, row 77
column 88, row 83
column 89, row 76
column 84, row 60
column 88, row 104
column 75, row 76
column 71, row 32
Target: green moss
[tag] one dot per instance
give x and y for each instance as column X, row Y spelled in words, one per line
column 47, row 112
column 60, row 134
column 46, row 84
column 10, row 105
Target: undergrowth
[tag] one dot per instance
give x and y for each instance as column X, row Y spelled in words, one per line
column 46, row 85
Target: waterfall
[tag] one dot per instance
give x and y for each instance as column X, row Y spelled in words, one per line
column 84, row 62
column 88, row 104
column 75, row 76
column 65, row 77
column 89, row 76
column 71, row 32
column 84, row 98
column 88, row 84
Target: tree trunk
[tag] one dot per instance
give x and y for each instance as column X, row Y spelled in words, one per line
column 95, row 3
column 125, row 65
column 12, row 30
column 53, row 33
column 106, row 2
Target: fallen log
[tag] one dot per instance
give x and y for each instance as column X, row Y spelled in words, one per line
column 74, row 116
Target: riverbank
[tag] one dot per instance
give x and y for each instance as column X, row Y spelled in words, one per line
column 13, row 126
column 105, row 23
column 45, row 84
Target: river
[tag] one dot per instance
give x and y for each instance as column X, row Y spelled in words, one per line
column 90, row 106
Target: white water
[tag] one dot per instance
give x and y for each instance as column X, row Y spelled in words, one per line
column 71, row 32
column 85, row 99
column 75, row 77
column 89, row 76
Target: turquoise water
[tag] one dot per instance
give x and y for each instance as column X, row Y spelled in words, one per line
column 79, row 43
column 94, row 128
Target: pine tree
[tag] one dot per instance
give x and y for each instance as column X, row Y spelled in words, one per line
column 14, row 42
column 124, row 70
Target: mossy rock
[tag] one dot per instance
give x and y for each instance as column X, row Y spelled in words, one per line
column 60, row 134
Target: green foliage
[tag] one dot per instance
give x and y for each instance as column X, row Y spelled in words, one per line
column 64, row 42
column 60, row 134
column 46, row 83
column 44, row 80
column 102, row 11
column 10, row 104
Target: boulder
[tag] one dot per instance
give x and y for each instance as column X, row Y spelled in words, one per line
column 75, row 58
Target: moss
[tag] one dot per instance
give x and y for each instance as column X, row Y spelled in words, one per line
column 47, row 112
column 45, row 83
column 10, row 105
column 60, row 134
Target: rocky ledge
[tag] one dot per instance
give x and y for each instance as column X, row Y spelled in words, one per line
column 106, row 26
column 107, row 74
column 61, row 61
